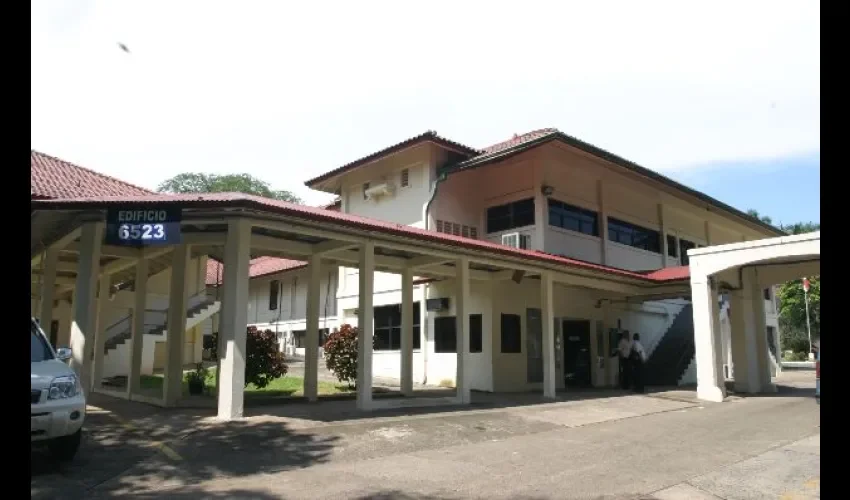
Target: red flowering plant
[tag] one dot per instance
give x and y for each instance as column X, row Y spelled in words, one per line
column 341, row 353
column 263, row 360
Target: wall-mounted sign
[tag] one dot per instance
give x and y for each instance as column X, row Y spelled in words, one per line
column 143, row 225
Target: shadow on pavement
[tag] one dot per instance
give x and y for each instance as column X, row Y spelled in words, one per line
column 401, row 495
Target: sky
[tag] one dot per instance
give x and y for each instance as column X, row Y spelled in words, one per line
column 722, row 96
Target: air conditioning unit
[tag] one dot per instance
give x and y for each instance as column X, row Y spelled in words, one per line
column 379, row 190
column 516, row 240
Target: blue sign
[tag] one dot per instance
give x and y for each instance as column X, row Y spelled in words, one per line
column 143, row 225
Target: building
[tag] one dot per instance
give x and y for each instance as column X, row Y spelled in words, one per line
column 542, row 191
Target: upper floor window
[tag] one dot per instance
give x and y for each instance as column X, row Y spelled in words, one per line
column 686, row 245
column 405, row 178
column 633, row 235
column 510, row 215
column 573, row 218
column 274, row 291
column 672, row 246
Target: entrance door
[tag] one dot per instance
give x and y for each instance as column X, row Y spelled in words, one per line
column 577, row 362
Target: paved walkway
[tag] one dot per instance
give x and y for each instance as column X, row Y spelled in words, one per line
column 599, row 445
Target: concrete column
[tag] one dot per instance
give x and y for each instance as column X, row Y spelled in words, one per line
column 603, row 221
column 663, row 226
column 85, row 313
column 464, row 394
column 311, row 352
column 48, row 287
column 710, row 383
column 765, row 383
column 743, row 334
column 233, row 321
column 176, row 327
column 407, row 332
column 365, row 325
column 104, row 285
column 607, row 362
column 547, row 320
column 137, row 341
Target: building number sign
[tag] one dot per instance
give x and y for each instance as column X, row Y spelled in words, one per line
column 143, row 226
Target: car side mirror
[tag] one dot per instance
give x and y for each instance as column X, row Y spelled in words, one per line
column 63, row 353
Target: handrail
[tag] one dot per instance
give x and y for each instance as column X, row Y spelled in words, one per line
column 192, row 302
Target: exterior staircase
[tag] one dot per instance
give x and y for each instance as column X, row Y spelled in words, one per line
column 673, row 353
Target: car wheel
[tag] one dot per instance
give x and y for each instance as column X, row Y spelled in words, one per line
column 65, row 447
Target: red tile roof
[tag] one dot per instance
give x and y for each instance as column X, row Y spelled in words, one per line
column 518, row 139
column 217, row 200
column 51, row 177
column 671, row 273
column 261, row 266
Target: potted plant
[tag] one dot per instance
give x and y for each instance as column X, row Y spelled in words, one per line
column 196, row 379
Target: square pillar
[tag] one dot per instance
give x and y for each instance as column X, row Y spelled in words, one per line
column 710, row 382
column 464, row 394
column 407, row 332
column 763, row 361
column 311, row 352
column 743, row 333
column 176, row 327
column 84, row 322
column 365, row 325
column 233, row 320
column 48, row 287
column 104, row 285
column 547, row 321
column 140, row 296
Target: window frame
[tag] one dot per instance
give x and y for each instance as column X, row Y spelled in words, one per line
column 274, row 294
column 515, row 345
column 563, row 211
column 393, row 328
column 439, row 336
column 512, row 218
column 620, row 227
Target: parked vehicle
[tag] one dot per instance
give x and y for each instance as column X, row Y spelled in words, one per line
column 57, row 404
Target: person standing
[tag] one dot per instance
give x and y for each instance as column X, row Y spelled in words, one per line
column 624, row 349
column 637, row 359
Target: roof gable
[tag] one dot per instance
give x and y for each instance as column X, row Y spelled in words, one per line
column 51, row 177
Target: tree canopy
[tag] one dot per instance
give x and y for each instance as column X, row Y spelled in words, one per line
column 191, row 182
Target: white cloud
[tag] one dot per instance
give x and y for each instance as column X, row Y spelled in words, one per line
column 289, row 90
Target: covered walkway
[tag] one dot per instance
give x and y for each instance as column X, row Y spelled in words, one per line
column 81, row 245
column 742, row 271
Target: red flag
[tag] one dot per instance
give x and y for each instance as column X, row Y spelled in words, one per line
column 806, row 285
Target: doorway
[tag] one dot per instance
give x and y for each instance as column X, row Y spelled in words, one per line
column 577, row 362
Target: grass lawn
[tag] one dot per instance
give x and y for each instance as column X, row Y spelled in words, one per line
column 283, row 386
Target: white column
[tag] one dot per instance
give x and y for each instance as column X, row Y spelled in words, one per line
column 765, row 383
column 104, row 284
column 710, row 383
column 311, row 352
column 176, row 326
column 603, row 221
column 743, row 342
column 233, row 321
column 365, row 323
column 407, row 332
column 85, row 310
column 663, row 226
column 140, row 295
column 547, row 319
column 464, row 395
column 48, row 286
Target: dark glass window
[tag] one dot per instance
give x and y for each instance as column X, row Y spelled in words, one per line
column 672, row 247
column 685, row 246
column 573, row 218
column 39, row 350
column 274, row 290
column 511, row 333
column 387, row 321
column 633, row 235
column 510, row 215
column 445, row 334
column 476, row 341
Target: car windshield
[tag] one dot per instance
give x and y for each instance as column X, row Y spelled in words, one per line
column 39, row 350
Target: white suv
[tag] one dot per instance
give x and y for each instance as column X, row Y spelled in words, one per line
column 57, row 404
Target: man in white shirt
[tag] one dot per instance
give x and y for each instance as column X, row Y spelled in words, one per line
column 624, row 349
column 638, row 358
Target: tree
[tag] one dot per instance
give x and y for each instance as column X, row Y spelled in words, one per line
column 263, row 361
column 191, row 182
column 755, row 213
column 341, row 353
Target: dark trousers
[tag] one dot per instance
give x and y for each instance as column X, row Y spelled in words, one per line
column 637, row 375
column 625, row 373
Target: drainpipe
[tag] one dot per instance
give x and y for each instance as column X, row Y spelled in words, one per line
column 423, row 310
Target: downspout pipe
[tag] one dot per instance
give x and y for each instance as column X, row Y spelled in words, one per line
column 423, row 309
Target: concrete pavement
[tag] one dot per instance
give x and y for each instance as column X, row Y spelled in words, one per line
column 634, row 446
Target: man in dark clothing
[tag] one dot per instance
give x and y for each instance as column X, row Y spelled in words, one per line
column 637, row 359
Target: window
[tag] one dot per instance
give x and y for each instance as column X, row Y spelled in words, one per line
column 365, row 188
column 511, row 334
column 672, row 246
column 685, row 246
column 634, row 236
column 405, row 178
column 456, row 229
column 388, row 327
column 274, row 294
column 767, row 294
column 573, row 218
column 39, row 350
column 445, row 334
column 299, row 338
column 511, row 215
column 476, row 341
